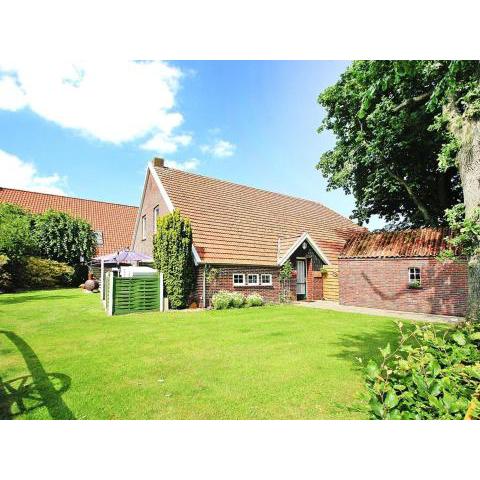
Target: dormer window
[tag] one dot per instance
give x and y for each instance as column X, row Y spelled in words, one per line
column 98, row 237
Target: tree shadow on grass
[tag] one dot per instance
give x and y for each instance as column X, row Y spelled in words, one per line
column 39, row 389
column 365, row 345
column 16, row 298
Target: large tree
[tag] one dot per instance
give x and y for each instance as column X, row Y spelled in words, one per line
column 408, row 143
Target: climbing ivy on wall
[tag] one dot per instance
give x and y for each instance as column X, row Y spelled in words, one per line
column 172, row 252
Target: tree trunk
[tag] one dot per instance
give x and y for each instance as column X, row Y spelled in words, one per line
column 469, row 168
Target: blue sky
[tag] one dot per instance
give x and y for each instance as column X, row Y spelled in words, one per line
column 89, row 130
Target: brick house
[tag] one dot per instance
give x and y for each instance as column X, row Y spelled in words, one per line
column 113, row 223
column 399, row 271
column 246, row 234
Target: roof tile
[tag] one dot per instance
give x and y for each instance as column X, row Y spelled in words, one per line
column 421, row 242
column 238, row 224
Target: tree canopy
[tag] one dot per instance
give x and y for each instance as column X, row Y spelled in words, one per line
column 396, row 148
column 61, row 237
column 15, row 231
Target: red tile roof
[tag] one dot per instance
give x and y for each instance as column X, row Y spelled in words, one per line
column 115, row 221
column 237, row 224
column 421, row 242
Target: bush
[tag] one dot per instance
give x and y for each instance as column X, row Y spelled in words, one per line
column 5, row 277
column 255, row 300
column 34, row 272
column 433, row 374
column 237, row 300
column 222, row 300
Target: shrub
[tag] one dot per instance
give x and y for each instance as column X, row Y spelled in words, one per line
column 61, row 237
column 237, row 300
column 34, row 272
column 432, row 374
column 172, row 252
column 5, row 277
column 255, row 300
column 221, row 300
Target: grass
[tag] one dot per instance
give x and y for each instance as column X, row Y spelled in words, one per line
column 62, row 357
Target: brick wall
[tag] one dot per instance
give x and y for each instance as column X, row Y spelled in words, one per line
column 151, row 199
column 383, row 283
column 270, row 293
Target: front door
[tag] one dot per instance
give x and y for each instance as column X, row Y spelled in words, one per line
column 301, row 280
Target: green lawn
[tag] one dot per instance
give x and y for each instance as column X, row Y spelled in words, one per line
column 62, row 357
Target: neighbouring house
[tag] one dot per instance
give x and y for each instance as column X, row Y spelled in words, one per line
column 399, row 271
column 113, row 223
column 246, row 234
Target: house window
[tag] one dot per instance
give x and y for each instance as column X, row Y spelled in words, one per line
column 156, row 214
column 414, row 275
column 144, row 227
column 99, row 237
column 238, row 279
column 252, row 279
column 266, row 279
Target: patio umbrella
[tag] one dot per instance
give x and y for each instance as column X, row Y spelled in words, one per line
column 124, row 256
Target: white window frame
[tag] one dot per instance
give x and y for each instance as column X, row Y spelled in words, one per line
column 253, row 284
column 415, row 272
column 144, row 227
column 156, row 214
column 238, row 284
column 99, row 237
column 269, row 283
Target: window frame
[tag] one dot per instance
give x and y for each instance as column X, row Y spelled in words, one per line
column 417, row 275
column 144, row 227
column 269, row 283
column 238, row 284
column 253, row 284
column 98, row 234
column 156, row 214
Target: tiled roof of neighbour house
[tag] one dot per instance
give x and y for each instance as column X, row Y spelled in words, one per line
column 421, row 242
column 242, row 225
column 115, row 221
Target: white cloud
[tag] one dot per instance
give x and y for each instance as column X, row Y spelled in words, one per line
column 112, row 101
column 187, row 165
column 11, row 96
column 163, row 143
column 220, row 148
column 19, row 174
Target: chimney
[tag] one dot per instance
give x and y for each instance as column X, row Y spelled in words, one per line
column 158, row 162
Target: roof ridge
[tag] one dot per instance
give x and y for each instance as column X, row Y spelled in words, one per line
column 67, row 196
column 257, row 189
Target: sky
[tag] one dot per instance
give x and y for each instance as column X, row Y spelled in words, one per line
column 89, row 129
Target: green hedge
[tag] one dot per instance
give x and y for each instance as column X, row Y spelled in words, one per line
column 35, row 272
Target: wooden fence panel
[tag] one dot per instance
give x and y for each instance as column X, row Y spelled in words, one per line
column 136, row 294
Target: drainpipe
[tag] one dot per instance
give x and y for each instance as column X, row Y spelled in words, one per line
column 204, row 292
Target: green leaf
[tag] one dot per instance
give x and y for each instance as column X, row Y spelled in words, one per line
column 459, row 338
column 474, row 336
column 435, row 368
column 377, row 408
column 372, row 370
column 385, row 351
column 391, row 400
